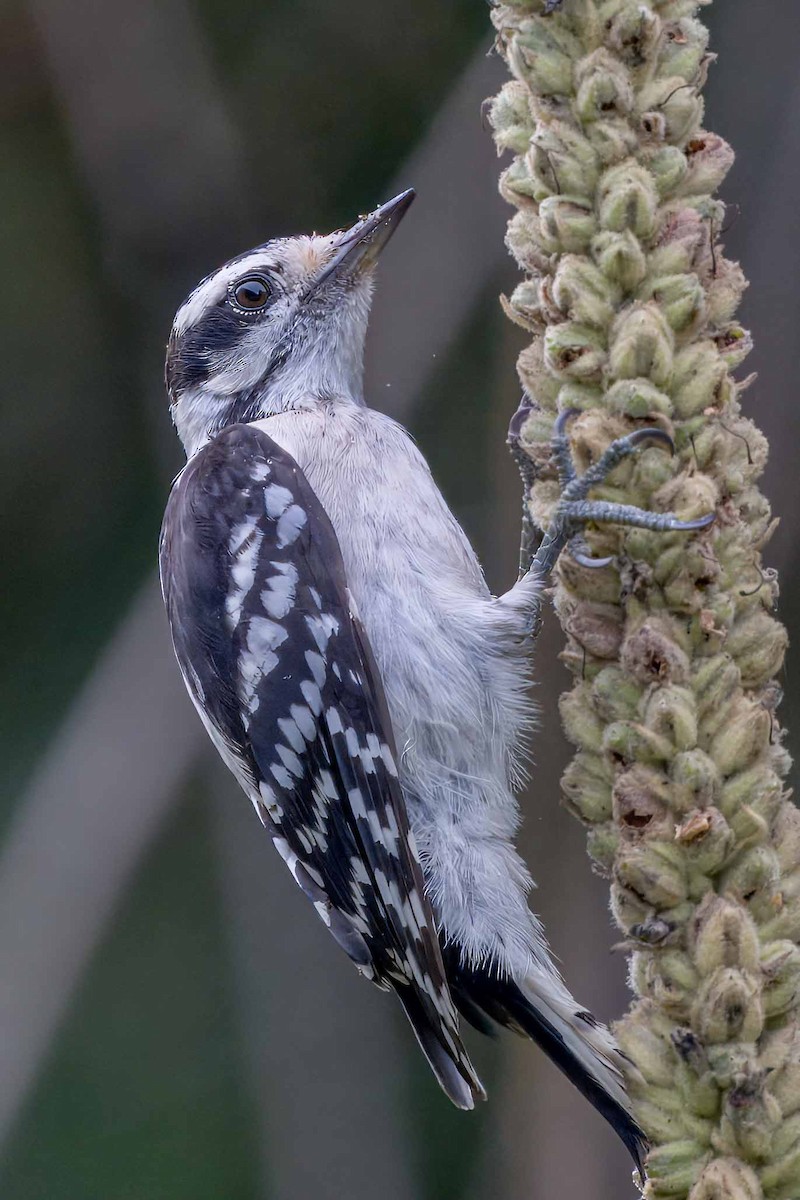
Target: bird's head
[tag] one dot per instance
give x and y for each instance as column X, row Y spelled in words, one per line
column 280, row 327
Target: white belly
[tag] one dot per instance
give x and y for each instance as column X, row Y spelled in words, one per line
column 454, row 686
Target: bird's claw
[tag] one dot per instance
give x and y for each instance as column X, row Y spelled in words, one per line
column 575, row 510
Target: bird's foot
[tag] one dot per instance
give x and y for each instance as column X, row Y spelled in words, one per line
column 574, row 510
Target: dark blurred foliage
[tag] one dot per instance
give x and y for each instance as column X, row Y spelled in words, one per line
column 140, row 146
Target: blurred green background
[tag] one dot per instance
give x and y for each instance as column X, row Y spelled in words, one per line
column 174, row 1023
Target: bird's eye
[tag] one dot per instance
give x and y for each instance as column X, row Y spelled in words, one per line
column 251, row 293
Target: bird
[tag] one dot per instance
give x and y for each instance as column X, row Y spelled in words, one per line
column 338, row 639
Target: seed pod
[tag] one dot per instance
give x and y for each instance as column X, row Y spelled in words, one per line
column 728, row 1007
column 681, row 53
column 574, row 351
column 707, row 839
column 567, row 225
column 723, row 934
column 682, row 300
column 539, row 61
column 668, row 978
column 641, row 346
column 709, row 159
column 695, row 781
column 587, row 788
column 603, row 87
column 659, row 882
column 580, row 723
column 780, row 965
column 752, row 1116
column 757, row 644
column 652, row 655
column 671, row 712
column 621, row 259
column 583, row 293
column 726, row 1179
column 510, row 117
column 628, row 200
column 566, row 158
column 683, row 242
column 724, row 291
column 667, row 165
column 674, row 1167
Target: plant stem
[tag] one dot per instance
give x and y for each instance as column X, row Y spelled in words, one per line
column 679, row 765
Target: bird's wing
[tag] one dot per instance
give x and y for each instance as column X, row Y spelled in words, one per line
column 280, row 669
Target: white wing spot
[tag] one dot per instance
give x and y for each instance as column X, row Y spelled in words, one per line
column 304, row 720
column 244, row 545
column 312, row 696
column 294, row 737
column 282, row 776
column 334, row 721
column 356, row 800
column 279, row 595
column 276, row 500
column 321, row 629
column 316, row 665
column 264, row 635
column 289, row 525
column 290, row 760
column 388, row 760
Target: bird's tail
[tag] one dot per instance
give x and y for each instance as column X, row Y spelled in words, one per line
column 441, row 1044
column 541, row 1008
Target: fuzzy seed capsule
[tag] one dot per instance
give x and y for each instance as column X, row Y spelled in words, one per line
column 567, row 225
column 681, row 51
column 728, row 1007
column 683, row 242
column 583, row 293
column 628, row 199
column 638, row 398
column 633, row 33
column 724, row 291
column 574, row 351
column 681, row 107
column 587, row 788
column 671, row 713
column 780, row 965
column 695, row 781
column 758, row 645
column 667, row 165
column 642, row 345
column 726, row 1179
column 742, row 739
column 603, row 87
column 621, row 259
column 536, row 59
column 658, row 882
column 510, row 117
column 674, row 1167
column 682, row 300
column 581, row 725
column 724, row 935
column 564, row 159
column 752, row 1116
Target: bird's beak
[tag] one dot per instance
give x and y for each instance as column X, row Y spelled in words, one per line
column 358, row 248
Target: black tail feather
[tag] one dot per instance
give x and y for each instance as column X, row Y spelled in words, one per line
column 453, row 1070
column 503, row 1001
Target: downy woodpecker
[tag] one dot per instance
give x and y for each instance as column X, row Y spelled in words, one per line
column 336, row 635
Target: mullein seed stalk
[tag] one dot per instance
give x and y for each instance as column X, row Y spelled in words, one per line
column 679, row 766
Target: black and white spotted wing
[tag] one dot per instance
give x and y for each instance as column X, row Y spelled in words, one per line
column 281, row 672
